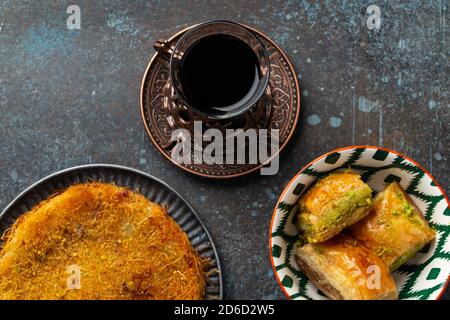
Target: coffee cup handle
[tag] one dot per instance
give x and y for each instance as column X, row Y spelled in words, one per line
column 163, row 47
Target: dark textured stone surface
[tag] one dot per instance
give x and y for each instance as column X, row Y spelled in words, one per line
column 72, row 97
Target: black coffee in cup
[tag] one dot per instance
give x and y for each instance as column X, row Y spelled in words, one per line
column 219, row 74
column 218, row 69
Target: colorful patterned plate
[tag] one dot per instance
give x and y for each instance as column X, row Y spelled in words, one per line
column 424, row 277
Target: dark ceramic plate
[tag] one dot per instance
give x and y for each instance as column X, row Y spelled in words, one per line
column 152, row 188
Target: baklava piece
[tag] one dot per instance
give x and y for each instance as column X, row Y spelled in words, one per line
column 332, row 204
column 395, row 229
column 345, row 270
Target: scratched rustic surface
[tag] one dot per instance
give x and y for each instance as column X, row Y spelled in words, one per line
column 72, row 97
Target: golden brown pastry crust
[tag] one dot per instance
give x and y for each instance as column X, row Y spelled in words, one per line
column 125, row 246
column 332, row 204
column 395, row 229
column 344, row 270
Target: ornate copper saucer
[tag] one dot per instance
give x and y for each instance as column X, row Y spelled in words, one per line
column 278, row 109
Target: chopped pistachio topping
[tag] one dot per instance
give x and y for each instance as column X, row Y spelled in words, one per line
column 409, row 210
column 383, row 250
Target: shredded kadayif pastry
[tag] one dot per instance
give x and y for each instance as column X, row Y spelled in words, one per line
column 98, row 241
